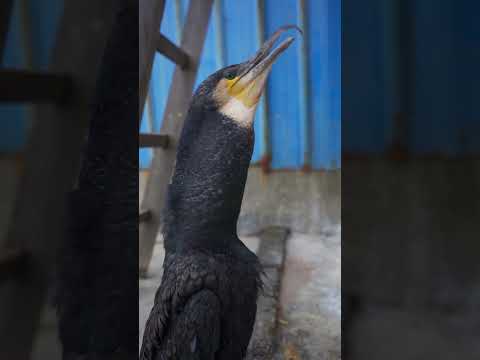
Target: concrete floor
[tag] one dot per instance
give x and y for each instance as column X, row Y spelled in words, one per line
column 47, row 344
column 310, row 298
column 309, row 301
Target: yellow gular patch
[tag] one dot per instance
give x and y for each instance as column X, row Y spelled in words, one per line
column 230, row 84
column 247, row 95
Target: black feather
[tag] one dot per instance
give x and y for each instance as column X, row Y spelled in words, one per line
column 211, row 279
column 98, row 279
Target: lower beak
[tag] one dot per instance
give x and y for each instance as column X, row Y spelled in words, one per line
column 248, row 86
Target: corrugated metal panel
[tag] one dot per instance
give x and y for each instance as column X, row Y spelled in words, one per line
column 302, row 103
column 29, row 43
column 411, row 57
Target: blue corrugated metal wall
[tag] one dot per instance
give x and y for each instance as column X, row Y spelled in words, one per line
column 29, row 42
column 302, row 103
column 436, row 125
column 441, row 78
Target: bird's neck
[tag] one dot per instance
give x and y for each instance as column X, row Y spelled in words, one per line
column 206, row 190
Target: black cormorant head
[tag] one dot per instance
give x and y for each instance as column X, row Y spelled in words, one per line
column 235, row 90
column 214, row 153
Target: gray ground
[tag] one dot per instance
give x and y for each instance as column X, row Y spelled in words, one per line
column 307, row 323
column 310, row 298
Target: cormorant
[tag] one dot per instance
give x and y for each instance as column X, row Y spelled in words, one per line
column 205, row 306
column 98, row 279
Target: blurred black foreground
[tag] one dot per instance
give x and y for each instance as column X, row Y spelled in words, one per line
column 97, row 294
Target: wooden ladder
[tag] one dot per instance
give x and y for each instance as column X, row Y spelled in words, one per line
column 51, row 162
column 186, row 57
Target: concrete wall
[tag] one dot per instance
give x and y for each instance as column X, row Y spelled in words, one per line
column 304, row 202
column 410, row 250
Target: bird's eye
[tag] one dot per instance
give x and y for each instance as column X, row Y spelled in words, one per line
column 230, row 76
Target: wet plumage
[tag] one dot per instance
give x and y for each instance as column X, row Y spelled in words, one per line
column 98, row 282
column 205, row 306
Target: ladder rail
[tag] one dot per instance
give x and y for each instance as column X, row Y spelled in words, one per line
column 150, row 13
column 181, row 89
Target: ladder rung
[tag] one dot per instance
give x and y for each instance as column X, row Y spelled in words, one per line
column 153, row 140
column 144, row 215
column 172, row 51
column 11, row 261
column 36, row 87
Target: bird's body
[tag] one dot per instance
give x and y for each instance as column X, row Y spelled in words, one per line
column 207, row 299
column 98, row 281
column 205, row 306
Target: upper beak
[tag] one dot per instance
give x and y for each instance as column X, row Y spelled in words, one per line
column 249, row 85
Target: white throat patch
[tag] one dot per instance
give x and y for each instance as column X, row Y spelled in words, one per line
column 236, row 110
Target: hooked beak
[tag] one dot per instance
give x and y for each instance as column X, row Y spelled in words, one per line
column 248, row 86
